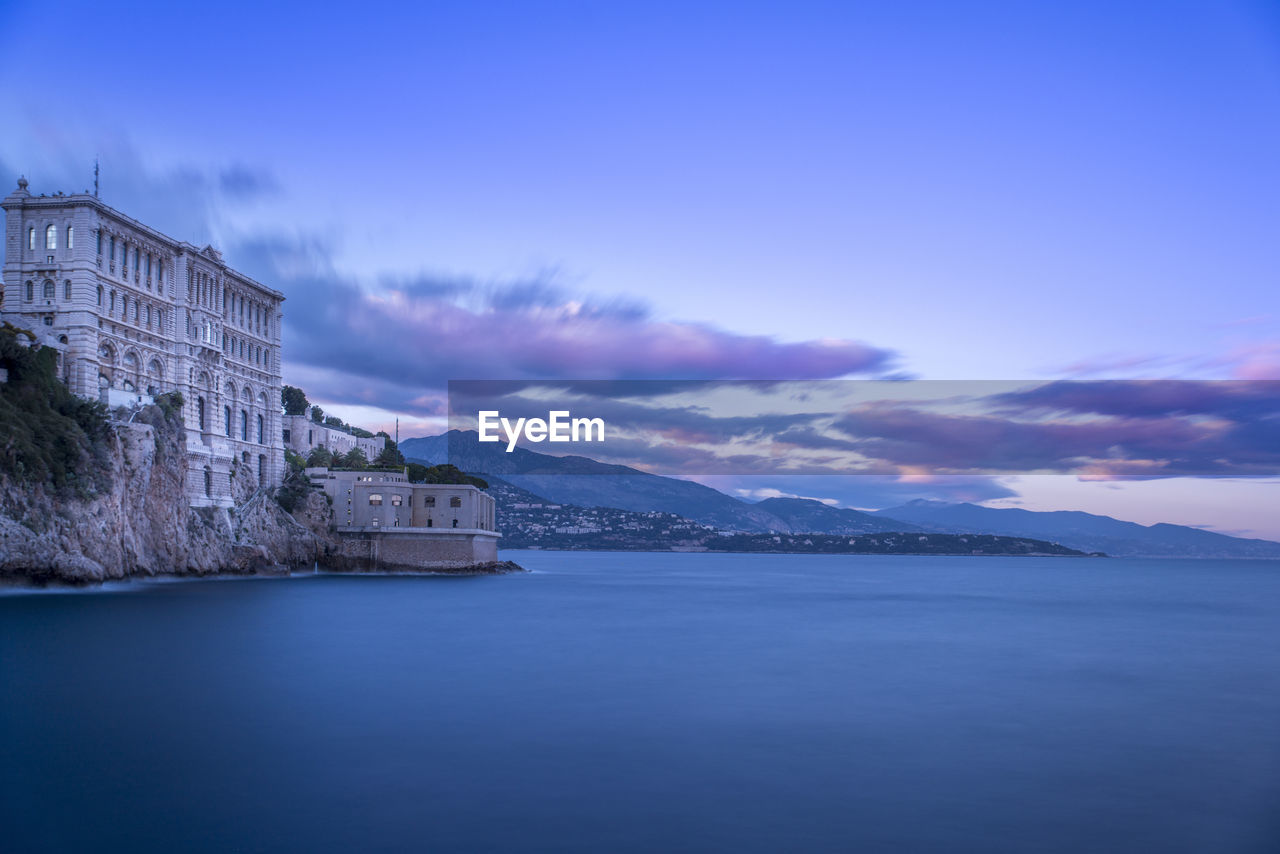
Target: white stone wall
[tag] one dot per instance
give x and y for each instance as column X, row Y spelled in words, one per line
column 306, row 435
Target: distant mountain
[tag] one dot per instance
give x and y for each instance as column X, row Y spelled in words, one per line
column 1079, row 530
column 586, row 482
column 804, row 515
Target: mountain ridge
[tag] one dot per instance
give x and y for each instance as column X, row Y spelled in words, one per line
column 585, row 482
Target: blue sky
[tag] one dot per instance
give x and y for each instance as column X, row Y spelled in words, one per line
column 945, row 190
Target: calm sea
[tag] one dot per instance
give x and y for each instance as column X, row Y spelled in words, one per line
column 653, row 702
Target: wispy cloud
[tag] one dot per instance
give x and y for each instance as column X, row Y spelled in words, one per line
column 422, row 332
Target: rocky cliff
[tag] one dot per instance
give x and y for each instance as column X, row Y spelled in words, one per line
column 136, row 521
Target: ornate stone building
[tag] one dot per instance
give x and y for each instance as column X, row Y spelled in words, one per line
column 131, row 310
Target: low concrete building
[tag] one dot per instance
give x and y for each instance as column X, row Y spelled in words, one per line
column 386, row 520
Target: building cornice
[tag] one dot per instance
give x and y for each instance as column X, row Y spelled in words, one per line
column 179, row 247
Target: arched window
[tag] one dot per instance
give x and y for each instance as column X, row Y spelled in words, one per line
column 71, row 237
column 98, row 232
column 31, row 290
column 113, row 248
column 159, row 318
column 113, row 302
column 200, row 412
column 31, row 239
column 66, row 289
column 51, row 237
column 124, row 306
column 244, row 425
column 48, row 288
column 99, row 295
column 259, row 429
column 146, row 314
column 226, row 416
column 208, row 482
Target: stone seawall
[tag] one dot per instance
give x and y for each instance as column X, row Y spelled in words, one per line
column 418, row 549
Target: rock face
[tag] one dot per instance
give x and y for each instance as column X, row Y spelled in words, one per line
column 142, row 525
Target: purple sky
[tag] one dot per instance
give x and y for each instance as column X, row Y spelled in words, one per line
column 946, row 190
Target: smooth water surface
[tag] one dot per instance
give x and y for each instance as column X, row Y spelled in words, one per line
column 653, row 702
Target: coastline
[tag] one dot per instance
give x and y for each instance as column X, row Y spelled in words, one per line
column 53, row 582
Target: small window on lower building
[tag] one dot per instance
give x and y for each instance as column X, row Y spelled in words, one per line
column 375, row 498
column 429, row 501
column 396, row 500
column 455, row 501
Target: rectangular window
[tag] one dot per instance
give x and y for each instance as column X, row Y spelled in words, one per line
column 375, row 498
column 396, row 500
column 455, row 501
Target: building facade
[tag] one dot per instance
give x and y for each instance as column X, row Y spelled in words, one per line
column 387, row 522
column 386, row 499
column 132, row 310
column 302, row 435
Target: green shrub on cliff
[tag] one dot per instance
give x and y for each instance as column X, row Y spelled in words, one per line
column 446, row 473
column 46, row 432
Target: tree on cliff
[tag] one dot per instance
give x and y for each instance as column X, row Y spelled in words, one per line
column 320, row 457
column 390, row 455
column 46, row 432
column 446, row 473
column 317, row 415
column 294, row 400
column 354, row 459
